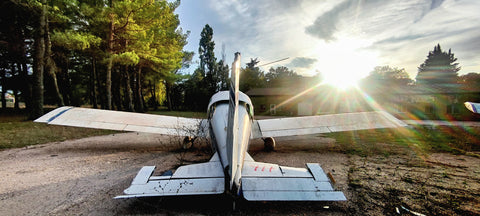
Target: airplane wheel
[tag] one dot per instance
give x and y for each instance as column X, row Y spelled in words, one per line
column 187, row 143
column 269, row 144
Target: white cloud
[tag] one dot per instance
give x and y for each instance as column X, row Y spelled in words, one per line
column 396, row 33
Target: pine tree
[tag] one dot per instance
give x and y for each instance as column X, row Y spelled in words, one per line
column 208, row 61
column 438, row 68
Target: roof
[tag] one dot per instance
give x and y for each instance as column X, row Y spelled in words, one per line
column 271, row 91
column 435, row 89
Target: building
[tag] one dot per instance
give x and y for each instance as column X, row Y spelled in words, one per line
column 408, row 102
column 316, row 100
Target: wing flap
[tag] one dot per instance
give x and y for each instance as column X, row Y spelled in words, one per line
column 325, row 124
column 125, row 121
column 271, row 182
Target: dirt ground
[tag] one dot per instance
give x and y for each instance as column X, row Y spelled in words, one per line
column 81, row 177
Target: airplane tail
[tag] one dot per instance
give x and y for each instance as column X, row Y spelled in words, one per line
column 233, row 118
column 194, row 179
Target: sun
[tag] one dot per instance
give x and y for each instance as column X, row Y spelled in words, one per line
column 345, row 62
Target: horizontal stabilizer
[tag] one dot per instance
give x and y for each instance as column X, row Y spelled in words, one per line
column 126, row 121
column 195, row 179
column 271, row 182
column 324, row 124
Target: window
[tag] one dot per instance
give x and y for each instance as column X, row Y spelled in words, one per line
column 273, row 110
column 452, row 109
column 429, row 108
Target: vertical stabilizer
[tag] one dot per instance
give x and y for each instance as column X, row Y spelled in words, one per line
column 232, row 130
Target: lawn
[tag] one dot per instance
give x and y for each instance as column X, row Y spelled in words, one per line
column 423, row 140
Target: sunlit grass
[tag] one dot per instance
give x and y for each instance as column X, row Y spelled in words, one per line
column 422, row 140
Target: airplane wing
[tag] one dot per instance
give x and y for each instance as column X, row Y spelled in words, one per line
column 474, row 107
column 271, row 182
column 126, row 121
column 324, row 124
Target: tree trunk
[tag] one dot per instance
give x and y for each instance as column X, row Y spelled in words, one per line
column 101, row 91
column 4, row 90
column 39, row 64
column 108, row 81
column 138, row 91
column 153, row 95
column 67, row 90
column 26, row 88
column 108, row 84
column 50, row 65
column 168, row 88
column 128, row 91
column 117, row 96
column 93, row 89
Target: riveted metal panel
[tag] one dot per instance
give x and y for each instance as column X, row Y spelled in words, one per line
column 294, row 196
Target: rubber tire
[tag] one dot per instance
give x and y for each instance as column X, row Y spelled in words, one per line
column 269, row 144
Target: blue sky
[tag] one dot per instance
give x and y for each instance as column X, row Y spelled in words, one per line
column 337, row 38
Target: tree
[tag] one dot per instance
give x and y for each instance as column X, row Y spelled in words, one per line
column 384, row 78
column 196, row 94
column 206, row 51
column 470, row 81
column 439, row 68
column 215, row 73
column 281, row 77
column 86, row 45
column 222, row 71
column 251, row 76
column 39, row 64
column 171, row 82
column 211, row 76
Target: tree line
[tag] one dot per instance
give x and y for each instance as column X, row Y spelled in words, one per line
column 128, row 55
column 439, row 70
column 110, row 54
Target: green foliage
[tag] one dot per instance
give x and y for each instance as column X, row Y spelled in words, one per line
column 470, row 81
column 74, row 40
column 281, row 77
column 206, row 51
column 251, row 76
column 126, row 58
column 383, row 79
column 439, row 68
column 210, row 77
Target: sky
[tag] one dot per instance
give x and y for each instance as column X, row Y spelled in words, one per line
column 342, row 40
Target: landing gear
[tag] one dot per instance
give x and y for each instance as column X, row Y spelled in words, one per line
column 188, row 142
column 269, row 144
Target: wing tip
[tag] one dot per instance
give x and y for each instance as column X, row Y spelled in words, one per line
column 50, row 116
column 471, row 106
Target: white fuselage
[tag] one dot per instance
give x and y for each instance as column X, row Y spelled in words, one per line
column 232, row 153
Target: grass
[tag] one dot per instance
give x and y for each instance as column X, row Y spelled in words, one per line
column 16, row 132
column 455, row 140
